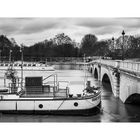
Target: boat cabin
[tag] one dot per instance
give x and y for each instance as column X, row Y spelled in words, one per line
column 39, row 87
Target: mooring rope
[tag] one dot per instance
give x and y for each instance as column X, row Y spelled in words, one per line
column 60, row 105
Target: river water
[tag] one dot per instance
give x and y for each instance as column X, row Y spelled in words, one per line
column 113, row 110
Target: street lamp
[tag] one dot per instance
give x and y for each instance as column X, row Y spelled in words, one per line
column 123, row 33
column 113, row 42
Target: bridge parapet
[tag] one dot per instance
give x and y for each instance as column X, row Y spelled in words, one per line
column 107, row 62
column 131, row 66
column 125, row 65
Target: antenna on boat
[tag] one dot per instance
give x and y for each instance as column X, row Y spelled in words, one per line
column 21, row 50
column 11, row 75
column 85, row 77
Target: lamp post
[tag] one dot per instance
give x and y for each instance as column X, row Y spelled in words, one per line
column 123, row 34
column 113, row 42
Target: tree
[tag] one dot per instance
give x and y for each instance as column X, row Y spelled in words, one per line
column 88, row 43
column 5, row 46
column 102, row 48
column 60, row 39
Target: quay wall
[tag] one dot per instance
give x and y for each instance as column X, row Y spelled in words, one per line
column 68, row 66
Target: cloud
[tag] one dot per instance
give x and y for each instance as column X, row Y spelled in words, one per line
column 10, row 26
column 31, row 30
column 101, row 22
column 37, row 26
column 107, row 30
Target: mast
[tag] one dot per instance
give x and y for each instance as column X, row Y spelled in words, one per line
column 21, row 50
column 11, row 74
column 9, row 69
column 84, row 72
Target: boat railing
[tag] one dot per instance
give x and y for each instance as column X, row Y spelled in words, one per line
column 52, row 75
column 13, row 87
column 50, row 83
column 60, row 88
column 63, row 87
column 63, row 84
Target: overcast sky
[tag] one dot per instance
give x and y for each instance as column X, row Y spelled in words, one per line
column 31, row 30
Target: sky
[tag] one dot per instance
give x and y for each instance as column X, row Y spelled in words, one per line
column 32, row 30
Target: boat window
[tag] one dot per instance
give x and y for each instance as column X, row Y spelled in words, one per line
column 29, row 64
column 40, row 106
column 2, row 65
column 11, row 64
column 19, row 64
column 34, row 65
column 75, row 104
column 24, row 65
column 6, row 64
column 15, row 64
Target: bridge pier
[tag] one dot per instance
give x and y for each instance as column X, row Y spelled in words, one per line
column 99, row 74
column 116, row 83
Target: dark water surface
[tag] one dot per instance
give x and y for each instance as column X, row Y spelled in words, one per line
column 113, row 110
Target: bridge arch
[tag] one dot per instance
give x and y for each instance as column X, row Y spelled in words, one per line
column 90, row 68
column 106, row 75
column 106, row 82
column 133, row 99
column 96, row 73
column 129, row 89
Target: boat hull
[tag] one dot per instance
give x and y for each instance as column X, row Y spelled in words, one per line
column 84, row 112
column 74, row 106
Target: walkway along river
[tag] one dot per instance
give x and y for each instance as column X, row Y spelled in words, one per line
column 113, row 110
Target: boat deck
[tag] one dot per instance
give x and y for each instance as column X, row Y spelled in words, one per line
column 58, row 94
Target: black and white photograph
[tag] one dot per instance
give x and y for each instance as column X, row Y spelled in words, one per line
column 69, row 69
column 74, row 67
column 70, row 66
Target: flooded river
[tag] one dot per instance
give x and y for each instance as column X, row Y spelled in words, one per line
column 113, row 110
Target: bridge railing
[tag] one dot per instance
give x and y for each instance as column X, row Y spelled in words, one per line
column 107, row 62
column 126, row 65
column 110, row 62
column 132, row 66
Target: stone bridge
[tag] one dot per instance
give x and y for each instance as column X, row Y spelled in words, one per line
column 123, row 76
